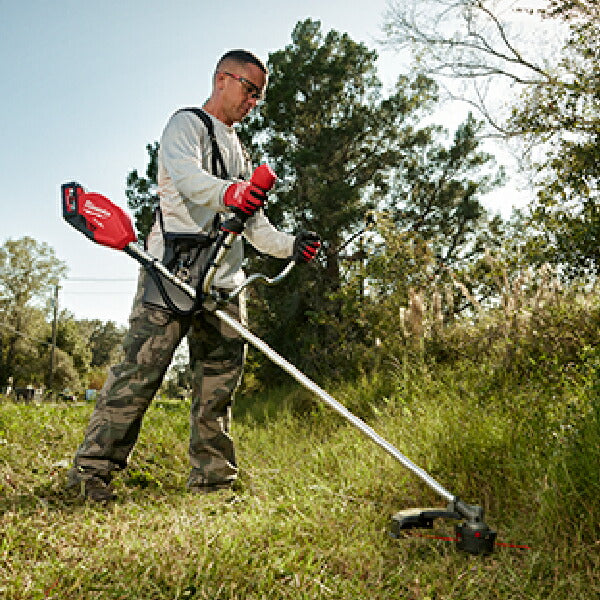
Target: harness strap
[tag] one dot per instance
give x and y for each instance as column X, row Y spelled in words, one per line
column 217, row 157
column 217, row 161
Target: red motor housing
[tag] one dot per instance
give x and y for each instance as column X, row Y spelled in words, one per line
column 96, row 217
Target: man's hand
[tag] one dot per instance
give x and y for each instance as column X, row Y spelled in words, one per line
column 306, row 246
column 247, row 197
column 244, row 197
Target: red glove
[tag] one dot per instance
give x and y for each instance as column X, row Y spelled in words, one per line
column 247, row 197
column 306, row 246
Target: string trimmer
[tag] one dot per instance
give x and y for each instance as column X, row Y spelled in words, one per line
column 105, row 223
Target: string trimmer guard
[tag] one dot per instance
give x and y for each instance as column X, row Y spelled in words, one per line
column 418, row 518
column 472, row 535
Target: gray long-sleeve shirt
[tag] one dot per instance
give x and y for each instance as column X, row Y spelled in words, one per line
column 190, row 194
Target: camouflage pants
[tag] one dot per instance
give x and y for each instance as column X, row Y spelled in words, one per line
column 217, row 357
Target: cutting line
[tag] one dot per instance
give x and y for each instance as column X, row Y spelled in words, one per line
column 453, row 539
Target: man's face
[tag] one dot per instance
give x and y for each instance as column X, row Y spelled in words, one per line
column 243, row 86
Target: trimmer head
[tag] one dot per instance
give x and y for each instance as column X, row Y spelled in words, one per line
column 472, row 535
column 475, row 538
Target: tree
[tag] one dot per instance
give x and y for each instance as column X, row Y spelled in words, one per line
column 89, row 346
column 567, row 117
column 343, row 149
column 72, row 338
column 66, row 376
column 330, row 135
column 437, row 196
column 103, row 342
column 28, row 271
column 26, row 349
column 332, row 138
column 554, row 105
column 142, row 196
column 106, row 339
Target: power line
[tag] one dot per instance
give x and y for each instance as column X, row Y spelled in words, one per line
column 100, row 279
column 64, row 292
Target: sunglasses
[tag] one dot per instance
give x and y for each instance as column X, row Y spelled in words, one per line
column 251, row 89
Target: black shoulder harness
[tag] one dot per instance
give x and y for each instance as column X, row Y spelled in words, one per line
column 217, row 157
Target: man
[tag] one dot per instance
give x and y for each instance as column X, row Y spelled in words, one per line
column 192, row 197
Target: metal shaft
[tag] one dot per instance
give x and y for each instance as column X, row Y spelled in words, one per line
column 150, row 262
column 221, row 252
column 333, row 403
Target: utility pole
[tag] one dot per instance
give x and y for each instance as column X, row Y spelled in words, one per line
column 54, row 328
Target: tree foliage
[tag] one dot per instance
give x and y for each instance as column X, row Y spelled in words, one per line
column 330, row 134
column 567, row 117
column 332, row 138
column 87, row 347
column 553, row 100
column 29, row 270
column 437, row 195
column 142, row 196
column 105, row 340
column 343, row 149
column 29, row 274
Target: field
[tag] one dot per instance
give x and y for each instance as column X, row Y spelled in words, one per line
column 310, row 515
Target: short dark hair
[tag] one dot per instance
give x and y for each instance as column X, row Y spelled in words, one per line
column 242, row 57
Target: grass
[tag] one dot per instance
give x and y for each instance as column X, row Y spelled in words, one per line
column 311, row 514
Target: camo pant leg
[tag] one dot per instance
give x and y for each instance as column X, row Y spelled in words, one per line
column 217, row 355
column 114, row 426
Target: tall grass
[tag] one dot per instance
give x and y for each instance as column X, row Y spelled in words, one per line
column 310, row 516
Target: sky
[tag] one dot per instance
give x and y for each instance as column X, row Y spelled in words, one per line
column 86, row 84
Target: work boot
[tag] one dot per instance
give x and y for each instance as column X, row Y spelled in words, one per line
column 93, row 488
column 198, row 488
column 97, row 490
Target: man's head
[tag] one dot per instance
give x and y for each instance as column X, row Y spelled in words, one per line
column 238, row 85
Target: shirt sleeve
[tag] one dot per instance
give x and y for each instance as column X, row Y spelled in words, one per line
column 267, row 239
column 182, row 145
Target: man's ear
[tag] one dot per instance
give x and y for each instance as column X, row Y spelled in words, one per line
column 220, row 78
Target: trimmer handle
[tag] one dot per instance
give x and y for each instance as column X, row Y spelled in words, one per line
column 264, row 177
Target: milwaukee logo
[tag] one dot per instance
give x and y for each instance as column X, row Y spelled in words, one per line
column 90, row 208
